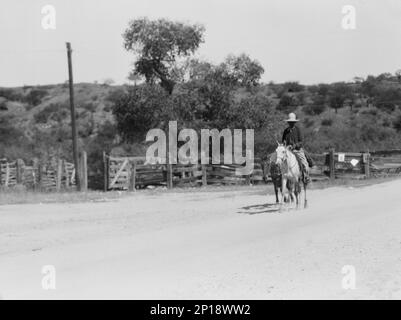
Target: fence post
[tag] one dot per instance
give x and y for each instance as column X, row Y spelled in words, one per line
column 34, row 171
column 105, row 172
column 331, row 164
column 59, row 174
column 169, row 176
column 40, row 176
column 248, row 176
column 248, row 179
column 169, row 169
column 132, row 176
column 67, row 176
column 84, row 171
column 18, row 167
column 204, row 175
column 366, row 162
column 7, row 179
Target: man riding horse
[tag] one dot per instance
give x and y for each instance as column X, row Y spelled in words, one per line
column 293, row 138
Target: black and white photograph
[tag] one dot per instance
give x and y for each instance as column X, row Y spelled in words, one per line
column 200, row 150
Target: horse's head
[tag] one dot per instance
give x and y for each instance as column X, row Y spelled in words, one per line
column 281, row 154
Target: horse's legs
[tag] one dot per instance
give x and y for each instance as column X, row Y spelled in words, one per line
column 297, row 195
column 276, row 191
column 292, row 195
column 293, row 191
column 305, row 200
column 283, row 190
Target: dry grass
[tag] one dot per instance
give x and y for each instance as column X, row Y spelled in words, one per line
column 16, row 196
column 12, row 196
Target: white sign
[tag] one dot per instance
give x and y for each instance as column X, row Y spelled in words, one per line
column 341, row 157
column 354, row 162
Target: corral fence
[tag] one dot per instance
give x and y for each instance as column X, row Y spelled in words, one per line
column 130, row 173
column 54, row 175
column 357, row 165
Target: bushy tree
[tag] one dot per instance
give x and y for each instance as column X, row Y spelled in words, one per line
column 158, row 45
column 140, row 109
column 287, row 102
column 35, row 96
column 397, row 123
column 293, row 86
column 338, row 94
column 243, row 69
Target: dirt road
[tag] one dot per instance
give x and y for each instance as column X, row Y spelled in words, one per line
column 223, row 244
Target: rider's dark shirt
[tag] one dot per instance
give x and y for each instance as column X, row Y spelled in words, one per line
column 293, row 137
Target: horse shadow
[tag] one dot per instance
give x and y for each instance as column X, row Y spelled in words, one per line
column 260, row 208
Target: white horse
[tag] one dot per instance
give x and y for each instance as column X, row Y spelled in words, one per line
column 291, row 175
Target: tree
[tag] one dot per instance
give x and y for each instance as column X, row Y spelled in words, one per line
column 317, row 106
column 287, row 102
column 398, row 75
column 293, row 86
column 397, row 123
column 159, row 44
column 243, row 69
column 140, row 109
column 323, row 89
column 198, row 70
column 34, row 97
column 108, row 81
column 134, row 77
column 339, row 93
column 358, row 80
column 214, row 92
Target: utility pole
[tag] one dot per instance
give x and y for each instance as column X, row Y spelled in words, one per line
column 73, row 126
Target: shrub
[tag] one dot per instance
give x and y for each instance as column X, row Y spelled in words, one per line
column 386, row 106
column 308, row 122
column 115, row 95
column 397, row 123
column 386, row 122
column 11, row 94
column 3, row 105
column 373, row 133
column 52, row 112
column 35, row 96
column 314, row 109
column 293, row 86
column 286, row 102
column 370, row 111
column 139, row 110
column 327, row 122
column 89, row 106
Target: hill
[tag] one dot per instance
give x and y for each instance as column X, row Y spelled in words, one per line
column 358, row 116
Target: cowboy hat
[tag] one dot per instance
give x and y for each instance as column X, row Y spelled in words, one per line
column 292, row 118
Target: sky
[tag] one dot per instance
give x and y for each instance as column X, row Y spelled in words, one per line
column 294, row 40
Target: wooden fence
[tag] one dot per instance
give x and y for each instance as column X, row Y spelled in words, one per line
column 129, row 173
column 58, row 174
column 357, row 165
